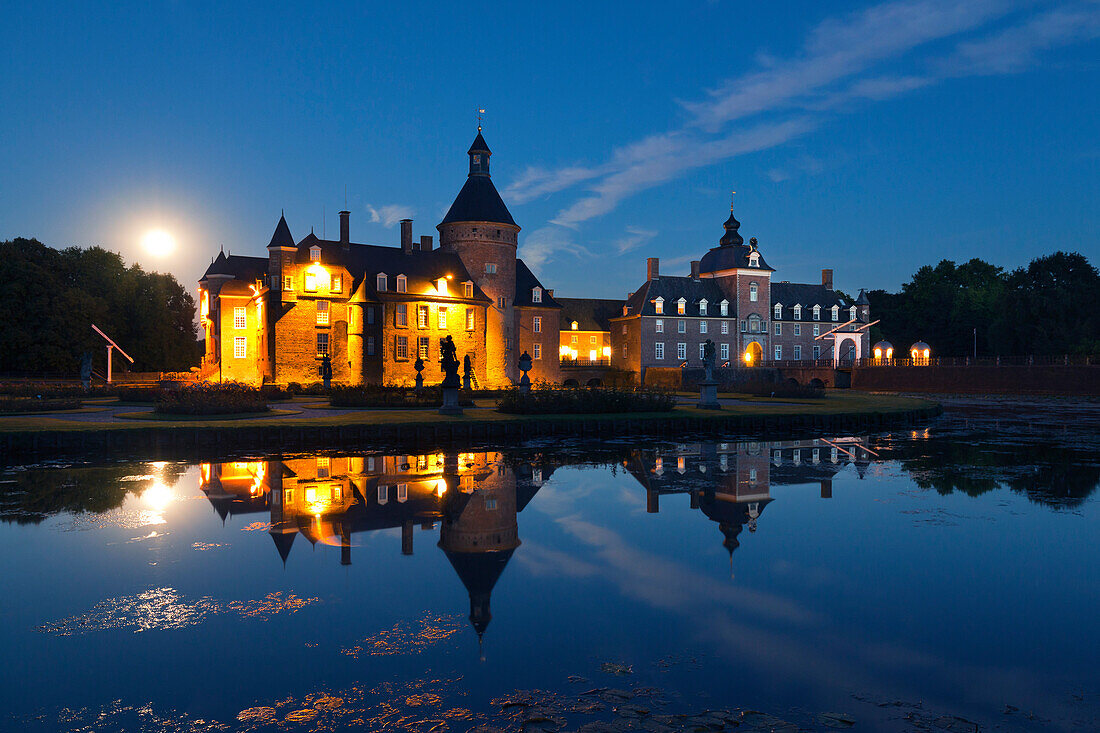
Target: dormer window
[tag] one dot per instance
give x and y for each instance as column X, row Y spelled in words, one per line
column 381, row 283
column 703, row 307
column 467, row 289
column 754, row 260
column 724, row 307
column 314, row 254
column 777, row 312
column 402, row 284
column 754, row 292
column 574, row 325
column 658, row 306
column 817, row 312
column 836, row 313
column 852, row 313
column 798, row 313
column 681, row 306
column 536, row 295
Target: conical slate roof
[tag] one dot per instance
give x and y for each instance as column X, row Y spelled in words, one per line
column 281, row 237
column 478, row 200
column 479, row 145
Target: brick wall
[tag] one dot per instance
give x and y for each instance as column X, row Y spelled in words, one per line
column 402, row 371
column 547, row 367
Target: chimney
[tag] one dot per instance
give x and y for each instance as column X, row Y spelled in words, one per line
column 407, row 235
column 827, row 279
column 345, row 228
column 651, row 268
column 695, row 269
column 425, row 243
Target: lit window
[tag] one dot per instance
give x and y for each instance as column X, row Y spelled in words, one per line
column 681, row 306
column 401, row 314
column 592, row 340
column 322, row 343
column 659, row 325
column 288, row 282
column 681, row 326
column 753, row 292
column 536, row 295
column 467, row 289
column 681, row 351
column 441, row 318
column 322, row 312
column 370, row 345
column 573, row 339
column 323, row 463
column 538, row 351
column 536, row 324
column 724, row 351
column 502, row 303
column 240, row 347
column 380, row 283
column 490, row 268
column 311, row 282
column 778, row 353
column 659, row 306
column 725, row 326
column 421, row 316
column 336, row 283
column 703, row 307
column 314, row 254
column 422, row 347
column 240, row 317
column 702, row 326
column 402, row 348
column 817, row 312
column 402, row 284
column 659, row 350
column 469, row 319
column 779, row 329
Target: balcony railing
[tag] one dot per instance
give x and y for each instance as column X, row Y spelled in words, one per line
column 578, row 363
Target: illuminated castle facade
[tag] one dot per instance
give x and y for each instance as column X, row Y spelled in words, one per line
column 372, row 310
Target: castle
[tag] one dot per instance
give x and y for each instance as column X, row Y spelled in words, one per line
column 373, row 310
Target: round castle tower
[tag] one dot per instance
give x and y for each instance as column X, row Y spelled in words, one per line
column 479, row 228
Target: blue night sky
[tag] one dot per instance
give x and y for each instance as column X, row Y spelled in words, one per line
column 870, row 138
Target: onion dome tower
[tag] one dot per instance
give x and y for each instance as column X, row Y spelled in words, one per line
column 480, row 229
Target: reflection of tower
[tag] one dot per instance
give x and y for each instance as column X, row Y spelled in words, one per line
column 479, row 534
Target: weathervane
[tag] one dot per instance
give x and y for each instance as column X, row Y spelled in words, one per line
column 732, row 194
column 480, row 112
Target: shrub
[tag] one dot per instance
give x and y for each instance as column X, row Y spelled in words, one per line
column 47, row 390
column 376, row 395
column 779, row 389
column 211, row 398
column 275, row 392
column 33, row 404
column 579, row 400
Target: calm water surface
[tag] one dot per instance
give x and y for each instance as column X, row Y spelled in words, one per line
column 936, row 579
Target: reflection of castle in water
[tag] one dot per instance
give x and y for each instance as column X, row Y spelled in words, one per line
column 731, row 483
column 474, row 496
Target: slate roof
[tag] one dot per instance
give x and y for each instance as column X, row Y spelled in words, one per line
column 672, row 289
column 731, row 251
column 237, row 266
column 861, row 299
column 366, row 261
column 479, row 145
column 281, row 237
column 525, row 283
column 806, row 295
column 591, row 314
column 478, row 201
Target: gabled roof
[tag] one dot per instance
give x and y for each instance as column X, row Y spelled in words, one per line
column 805, row 295
column 672, row 289
column 591, row 314
column 237, row 266
column 478, row 201
column 525, row 283
column 421, row 268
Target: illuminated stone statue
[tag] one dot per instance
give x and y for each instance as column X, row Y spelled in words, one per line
column 709, row 356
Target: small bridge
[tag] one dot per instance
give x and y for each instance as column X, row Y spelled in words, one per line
column 584, row 372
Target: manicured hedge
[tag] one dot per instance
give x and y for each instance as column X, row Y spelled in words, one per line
column 582, row 400
column 211, row 398
column 778, row 389
column 31, row 404
column 50, row 390
column 374, row 395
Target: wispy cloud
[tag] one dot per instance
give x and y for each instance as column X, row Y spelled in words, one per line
column 635, row 237
column 542, row 244
column 843, row 60
column 389, row 214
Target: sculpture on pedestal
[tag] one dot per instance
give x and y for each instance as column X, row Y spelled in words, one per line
column 448, row 362
column 467, row 372
column 326, row 371
column 418, row 365
column 525, row 366
column 708, row 388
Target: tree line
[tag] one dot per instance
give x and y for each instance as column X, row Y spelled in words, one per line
column 1050, row 307
column 51, row 298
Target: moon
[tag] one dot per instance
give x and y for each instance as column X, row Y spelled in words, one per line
column 158, row 243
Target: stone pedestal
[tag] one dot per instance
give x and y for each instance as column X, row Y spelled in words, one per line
column 524, row 384
column 450, row 402
column 466, row 382
column 419, row 383
column 708, row 395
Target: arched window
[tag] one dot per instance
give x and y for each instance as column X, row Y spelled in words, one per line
column 753, row 292
column 536, row 295
column 852, row 313
column 755, row 323
column 778, row 315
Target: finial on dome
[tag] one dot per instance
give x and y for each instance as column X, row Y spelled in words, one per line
column 731, row 237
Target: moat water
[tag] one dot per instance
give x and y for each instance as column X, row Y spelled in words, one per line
column 938, row 579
